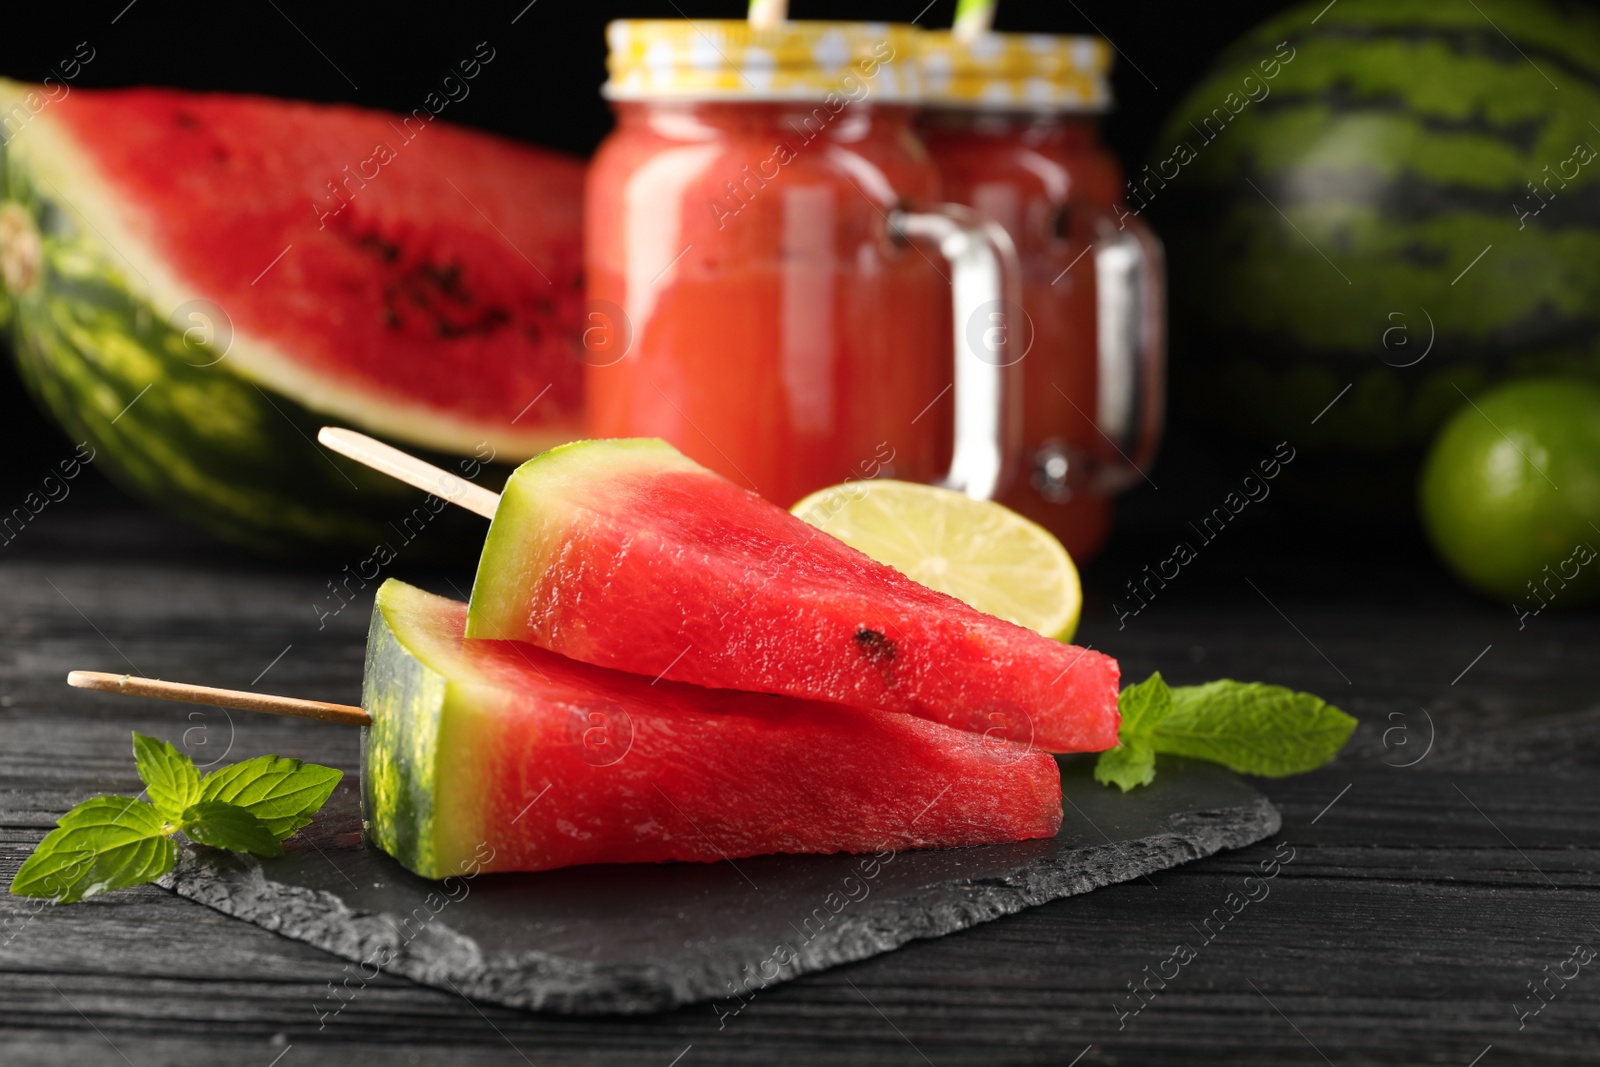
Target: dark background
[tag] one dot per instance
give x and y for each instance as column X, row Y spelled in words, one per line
column 543, row 86
column 544, row 83
column 1404, row 934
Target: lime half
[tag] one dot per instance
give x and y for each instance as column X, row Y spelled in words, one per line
column 978, row 552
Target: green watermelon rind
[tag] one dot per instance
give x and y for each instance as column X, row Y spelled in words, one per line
column 535, row 501
column 173, row 420
column 406, row 699
column 196, row 439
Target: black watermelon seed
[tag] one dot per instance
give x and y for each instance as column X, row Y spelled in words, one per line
column 877, row 647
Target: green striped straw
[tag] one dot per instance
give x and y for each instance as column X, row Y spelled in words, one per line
column 973, row 18
column 765, row 14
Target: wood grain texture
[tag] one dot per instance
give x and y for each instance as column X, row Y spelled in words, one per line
column 1404, row 930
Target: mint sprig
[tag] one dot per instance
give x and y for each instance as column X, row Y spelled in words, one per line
column 109, row 843
column 1247, row 727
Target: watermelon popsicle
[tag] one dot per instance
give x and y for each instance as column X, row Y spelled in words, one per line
column 627, row 554
column 508, row 757
column 552, row 762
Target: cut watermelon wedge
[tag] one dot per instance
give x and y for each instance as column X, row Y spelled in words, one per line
column 512, row 758
column 194, row 283
column 627, row 554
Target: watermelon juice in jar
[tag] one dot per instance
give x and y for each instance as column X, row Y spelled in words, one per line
column 1012, row 122
column 769, row 276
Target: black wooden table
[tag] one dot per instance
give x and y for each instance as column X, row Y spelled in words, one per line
column 1446, row 861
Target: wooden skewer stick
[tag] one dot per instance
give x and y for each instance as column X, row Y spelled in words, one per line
column 380, row 457
column 219, row 698
column 409, row 469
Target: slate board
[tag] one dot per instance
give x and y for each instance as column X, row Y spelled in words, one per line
column 639, row 938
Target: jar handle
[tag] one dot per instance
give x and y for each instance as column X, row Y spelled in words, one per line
column 1130, row 319
column 988, row 341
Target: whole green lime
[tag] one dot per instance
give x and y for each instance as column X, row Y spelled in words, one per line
column 1510, row 492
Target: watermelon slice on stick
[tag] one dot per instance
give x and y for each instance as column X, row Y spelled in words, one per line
column 627, row 554
column 475, row 747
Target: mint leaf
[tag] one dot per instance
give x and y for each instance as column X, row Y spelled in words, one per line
column 283, row 793
column 1143, row 706
column 222, row 825
column 173, row 782
column 1130, row 764
column 1133, row 762
column 109, row 843
column 1253, row 728
column 1247, row 727
column 105, row 843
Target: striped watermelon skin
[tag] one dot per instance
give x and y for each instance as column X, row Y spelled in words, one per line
column 173, row 399
column 164, row 425
column 168, row 423
column 1358, row 221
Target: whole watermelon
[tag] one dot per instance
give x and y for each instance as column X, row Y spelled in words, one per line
column 1382, row 206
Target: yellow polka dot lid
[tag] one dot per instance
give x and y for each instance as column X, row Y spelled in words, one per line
column 728, row 59
column 1015, row 72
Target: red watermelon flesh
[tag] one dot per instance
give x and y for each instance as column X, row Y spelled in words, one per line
column 519, row 759
column 416, row 278
column 627, row 554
